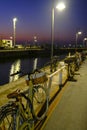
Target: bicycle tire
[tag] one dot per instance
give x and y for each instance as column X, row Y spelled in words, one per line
column 40, row 102
column 27, row 126
column 8, row 119
column 7, row 113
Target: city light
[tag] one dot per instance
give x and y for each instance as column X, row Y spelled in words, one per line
column 85, row 39
column 84, row 42
column 78, row 33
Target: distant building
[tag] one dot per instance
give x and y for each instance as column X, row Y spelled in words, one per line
column 5, row 43
column 19, row 46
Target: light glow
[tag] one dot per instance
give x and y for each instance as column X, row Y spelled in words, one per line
column 14, row 19
column 85, row 39
column 60, row 6
column 79, row 33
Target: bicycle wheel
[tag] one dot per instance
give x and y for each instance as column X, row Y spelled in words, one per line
column 40, row 102
column 27, row 125
column 7, row 114
column 9, row 120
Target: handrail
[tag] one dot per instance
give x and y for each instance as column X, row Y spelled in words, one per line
column 56, row 71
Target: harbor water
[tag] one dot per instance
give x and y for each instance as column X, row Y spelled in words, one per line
column 26, row 65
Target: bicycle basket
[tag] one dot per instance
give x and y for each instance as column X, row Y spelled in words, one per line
column 39, row 78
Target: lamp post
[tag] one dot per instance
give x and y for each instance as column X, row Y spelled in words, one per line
column 60, row 7
column 14, row 30
column 52, row 32
column 78, row 33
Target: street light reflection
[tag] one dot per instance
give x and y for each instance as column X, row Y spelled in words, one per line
column 14, row 69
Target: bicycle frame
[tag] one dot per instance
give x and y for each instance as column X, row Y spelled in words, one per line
column 22, row 114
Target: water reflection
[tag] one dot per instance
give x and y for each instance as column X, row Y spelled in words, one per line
column 35, row 63
column 25, row 65
column 15, row 67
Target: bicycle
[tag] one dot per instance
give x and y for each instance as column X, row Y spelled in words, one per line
column 71, row 66
column 22, row 111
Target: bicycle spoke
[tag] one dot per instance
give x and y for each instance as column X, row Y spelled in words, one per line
column 39, row 102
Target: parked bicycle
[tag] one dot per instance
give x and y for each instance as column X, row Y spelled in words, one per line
column 78, row 60
column 26, row 107
column 71, row 66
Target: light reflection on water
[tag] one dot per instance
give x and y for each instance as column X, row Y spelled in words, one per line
column 15, row 67
column 25, row 65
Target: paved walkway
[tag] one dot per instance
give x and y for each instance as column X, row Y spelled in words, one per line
column 71, row 112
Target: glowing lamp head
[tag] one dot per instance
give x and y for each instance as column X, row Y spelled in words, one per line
column 61, row 6
column 14, row 19
column 85, row 39
column 79, row 33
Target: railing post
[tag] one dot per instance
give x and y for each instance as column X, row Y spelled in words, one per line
column 60, row 79
column 30, row 97
column 29, row 83
column 49, row 86
column 61, row 74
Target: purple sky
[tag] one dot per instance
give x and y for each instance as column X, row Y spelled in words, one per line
column 34, row 18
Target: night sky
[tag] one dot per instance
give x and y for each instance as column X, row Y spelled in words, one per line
column 34, row 19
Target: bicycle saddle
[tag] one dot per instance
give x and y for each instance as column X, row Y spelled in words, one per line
column 14, row 94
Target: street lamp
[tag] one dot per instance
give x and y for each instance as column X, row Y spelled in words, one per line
column 14, row 30
column 84, row 44
column 78, row 33
column 60, row 7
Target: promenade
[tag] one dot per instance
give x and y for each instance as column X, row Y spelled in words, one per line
column 70, row 107
column 70, row 112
